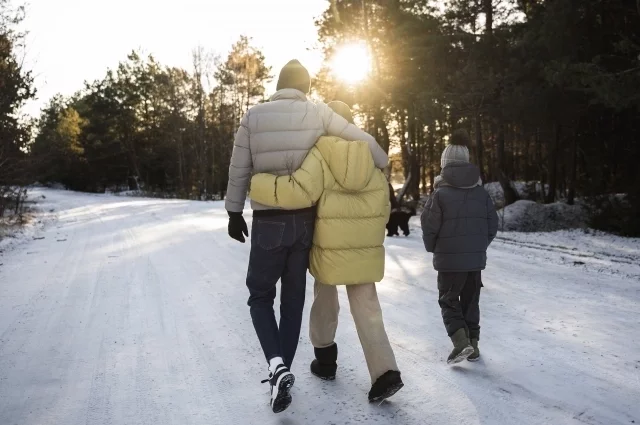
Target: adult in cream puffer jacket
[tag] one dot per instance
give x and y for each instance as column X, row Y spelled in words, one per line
column 352, row 198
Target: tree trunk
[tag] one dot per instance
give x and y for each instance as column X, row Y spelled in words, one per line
column 381, row 126
column 404, row 145
column 378, row 113
column 515, row 157
column 488, row 11
column 180, row 152
column 413, row 153
column 422, row 181
column 214, row 178
column 432, row 178
column 219, row 146
column 480, row 147
column 430, row 157
column 553, row 166
column 510, row 195
column 18, row 201
column 573, row 169
column 527, row 156
column 370, row 125
column 424, row 166
column 133, row 160
column 539, row 162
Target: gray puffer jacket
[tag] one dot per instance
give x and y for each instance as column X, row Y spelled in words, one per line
column 459, row 220
column 275, row 137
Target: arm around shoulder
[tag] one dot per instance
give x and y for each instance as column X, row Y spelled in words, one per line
column 302, row 189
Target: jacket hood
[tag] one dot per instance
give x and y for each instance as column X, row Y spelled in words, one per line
column 288, row 94
column 350, row 163
column 461, row 175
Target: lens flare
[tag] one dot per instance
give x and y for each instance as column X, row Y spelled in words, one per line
column 351, row 62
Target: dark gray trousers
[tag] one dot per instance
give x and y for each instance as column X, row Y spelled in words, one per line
column 459, row 299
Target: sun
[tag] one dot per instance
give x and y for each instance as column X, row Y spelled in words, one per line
column 351, row 62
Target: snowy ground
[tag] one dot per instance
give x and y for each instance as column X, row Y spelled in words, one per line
column 133, row 311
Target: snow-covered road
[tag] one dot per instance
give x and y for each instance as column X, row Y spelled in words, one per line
column 133, row 311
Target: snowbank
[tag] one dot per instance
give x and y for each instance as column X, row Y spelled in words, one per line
column 530, row 216
column 526, row 190
column 527, row 215
column 40, row 211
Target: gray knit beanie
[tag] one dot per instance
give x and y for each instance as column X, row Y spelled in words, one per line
column 457, row 149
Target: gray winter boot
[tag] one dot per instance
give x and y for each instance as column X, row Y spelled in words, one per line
column 475, row 356
column 462, row 348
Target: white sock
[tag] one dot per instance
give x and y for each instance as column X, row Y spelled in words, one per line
column 274, row 363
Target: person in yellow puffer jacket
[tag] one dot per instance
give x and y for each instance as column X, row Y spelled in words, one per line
column 353, row 207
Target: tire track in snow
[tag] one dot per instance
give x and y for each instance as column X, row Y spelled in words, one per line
column 29, row 330
column 215, row 378
column 597, row 255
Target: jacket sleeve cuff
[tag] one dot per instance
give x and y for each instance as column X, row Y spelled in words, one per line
column 429, row 244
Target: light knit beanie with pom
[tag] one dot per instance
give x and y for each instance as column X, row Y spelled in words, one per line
column 457, row 149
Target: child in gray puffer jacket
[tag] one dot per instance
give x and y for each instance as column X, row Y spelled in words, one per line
column 459, row 222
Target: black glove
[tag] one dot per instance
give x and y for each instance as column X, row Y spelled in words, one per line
column 237, row 226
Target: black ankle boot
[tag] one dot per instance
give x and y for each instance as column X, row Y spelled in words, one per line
column 324, row 366
column 386, row 386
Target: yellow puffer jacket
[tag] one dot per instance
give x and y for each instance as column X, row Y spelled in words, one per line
column 352, row 196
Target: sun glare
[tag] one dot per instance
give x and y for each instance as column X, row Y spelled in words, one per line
column 351, row 62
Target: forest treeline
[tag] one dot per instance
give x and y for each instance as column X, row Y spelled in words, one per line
column 151, row 127
column 548, row 89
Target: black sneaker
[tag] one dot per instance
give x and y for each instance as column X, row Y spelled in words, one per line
column 281, row 382
column 386, row 386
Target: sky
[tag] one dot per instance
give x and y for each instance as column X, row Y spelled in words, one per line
column 72, row 41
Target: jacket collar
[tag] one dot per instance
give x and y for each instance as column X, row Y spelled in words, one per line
column 288, row 94
column 462, row 175
column 441, row 182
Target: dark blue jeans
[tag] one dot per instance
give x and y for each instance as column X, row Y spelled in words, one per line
column 280, row 245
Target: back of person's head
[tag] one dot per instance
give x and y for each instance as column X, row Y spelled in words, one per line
column 457, row 149
column 341, row 109
column 294, row 76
